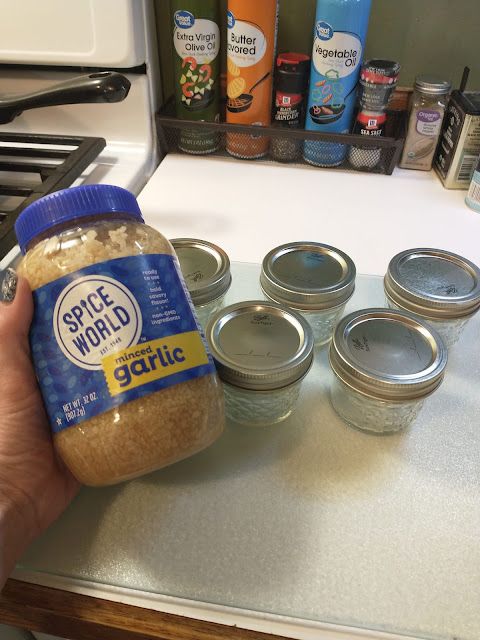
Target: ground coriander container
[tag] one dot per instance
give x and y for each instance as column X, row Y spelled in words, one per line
column 385, row 363
column 125, row 375
column 441, row 287
column 315, row 279
column 262, row 352
column 206, row 269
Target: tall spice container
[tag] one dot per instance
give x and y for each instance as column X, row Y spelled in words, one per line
column 291, row 81
column 378, row 80
column 429, row 101
column 251, row 41
column 339, row 38
column 196, row 45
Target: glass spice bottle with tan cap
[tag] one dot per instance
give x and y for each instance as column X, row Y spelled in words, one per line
column 427, row 110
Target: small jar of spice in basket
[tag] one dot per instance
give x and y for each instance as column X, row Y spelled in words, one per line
column 378, row 80
column 291, row 82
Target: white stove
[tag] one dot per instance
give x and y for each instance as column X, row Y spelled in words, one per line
column 45, row 53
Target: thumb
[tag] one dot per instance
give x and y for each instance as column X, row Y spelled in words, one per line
column 15, row 315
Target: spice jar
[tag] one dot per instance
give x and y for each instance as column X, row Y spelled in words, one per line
column 441, row 287
column 426, row 116
column 371, row 124
column 291, row 82
column 315, row 279
column 378, row 80
column 125, row 376
column 206, row 269
column 262, row 352
column 385, row 363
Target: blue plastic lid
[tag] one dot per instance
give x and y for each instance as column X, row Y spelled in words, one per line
column 72, row 204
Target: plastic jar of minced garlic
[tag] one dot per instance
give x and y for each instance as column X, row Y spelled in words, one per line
column 125, row 375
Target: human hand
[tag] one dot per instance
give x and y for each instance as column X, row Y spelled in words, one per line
column 35, row 486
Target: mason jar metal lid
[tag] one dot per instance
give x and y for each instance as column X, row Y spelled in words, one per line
column 432, row 84
column 308, row 276
column 388, row 354
column 205, row 267
column 434, row 283
column 260, row 345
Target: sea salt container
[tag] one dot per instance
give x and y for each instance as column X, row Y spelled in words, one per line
column 127, row 382
column 385, row 363
column 314, row 279
column 206, row 270
column 441, row 287
column 262, row 352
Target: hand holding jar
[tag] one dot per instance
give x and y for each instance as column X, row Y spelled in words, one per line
column 35, row 486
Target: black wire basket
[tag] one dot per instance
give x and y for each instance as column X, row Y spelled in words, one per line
column 281, row 145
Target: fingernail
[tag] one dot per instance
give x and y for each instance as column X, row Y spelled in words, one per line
column 9, row 285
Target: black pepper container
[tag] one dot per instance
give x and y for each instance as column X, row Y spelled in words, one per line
column 291, row 83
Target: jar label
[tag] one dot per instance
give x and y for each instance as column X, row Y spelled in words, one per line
column 370, row 124
column 429, row 122
column 246, row 42
column 195, row 39
column 336, row 54
column 289, row 109
column 111, row 333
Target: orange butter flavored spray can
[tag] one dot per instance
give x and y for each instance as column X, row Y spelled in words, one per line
column 251, row 42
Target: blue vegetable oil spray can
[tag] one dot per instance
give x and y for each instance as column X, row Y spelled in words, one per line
column 338, row 44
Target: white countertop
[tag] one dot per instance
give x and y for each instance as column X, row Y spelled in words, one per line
column 248, row 208
column 327, row 471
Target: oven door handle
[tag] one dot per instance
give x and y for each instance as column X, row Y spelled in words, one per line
column 104, row 86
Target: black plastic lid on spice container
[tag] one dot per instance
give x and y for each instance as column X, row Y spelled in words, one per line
column 292, row 72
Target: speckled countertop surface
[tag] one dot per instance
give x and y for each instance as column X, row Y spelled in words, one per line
column 309, row 519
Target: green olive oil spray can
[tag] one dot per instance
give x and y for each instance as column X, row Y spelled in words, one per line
column 196, row 50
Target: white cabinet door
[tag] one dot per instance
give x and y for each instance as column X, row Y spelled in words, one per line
column 104, row 33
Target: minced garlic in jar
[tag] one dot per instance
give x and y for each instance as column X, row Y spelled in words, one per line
column 125, row 375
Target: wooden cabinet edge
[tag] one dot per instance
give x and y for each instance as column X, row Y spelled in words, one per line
column 80, row 617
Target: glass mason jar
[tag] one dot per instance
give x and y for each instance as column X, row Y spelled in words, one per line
column 427, row 110
column 385, row 363
column 314, row 279
column 125, row 376
column 262, row 352
column 441, row 287
column 206, row 269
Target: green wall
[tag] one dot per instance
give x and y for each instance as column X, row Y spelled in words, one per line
column 425, row 36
